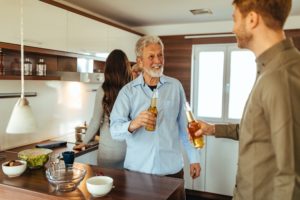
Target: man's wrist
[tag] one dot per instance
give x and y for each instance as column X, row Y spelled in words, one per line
column 131, row 127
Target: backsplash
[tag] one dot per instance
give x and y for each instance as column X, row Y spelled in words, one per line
column 58, row 108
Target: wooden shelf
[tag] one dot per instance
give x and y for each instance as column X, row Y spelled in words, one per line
column 16, row 77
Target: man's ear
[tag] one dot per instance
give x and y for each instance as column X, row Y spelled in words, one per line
column 139, row 61
column 253, row 19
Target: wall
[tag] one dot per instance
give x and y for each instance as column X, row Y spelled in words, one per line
column 58, row 107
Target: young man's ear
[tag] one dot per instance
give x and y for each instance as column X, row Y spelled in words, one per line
column 253, row 19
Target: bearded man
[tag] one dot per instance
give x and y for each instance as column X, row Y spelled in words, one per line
column 154, row 152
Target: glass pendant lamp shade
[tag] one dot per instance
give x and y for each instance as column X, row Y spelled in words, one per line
column 21, row 120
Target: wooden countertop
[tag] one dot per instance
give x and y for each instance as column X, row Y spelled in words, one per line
column 33, row 184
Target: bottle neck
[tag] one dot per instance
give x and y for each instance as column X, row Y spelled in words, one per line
column 153, row 102
column 190, row 116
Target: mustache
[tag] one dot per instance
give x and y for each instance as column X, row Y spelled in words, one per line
column 157, row 65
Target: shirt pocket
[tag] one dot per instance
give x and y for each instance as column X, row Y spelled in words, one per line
column 168, row 110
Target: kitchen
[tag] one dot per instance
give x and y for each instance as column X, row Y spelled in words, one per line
column 61, row 105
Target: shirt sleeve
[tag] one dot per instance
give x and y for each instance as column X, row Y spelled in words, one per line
column 119, row 117
column 192, row 153
column 227, row 131
column 277, row 101
column 97, row 118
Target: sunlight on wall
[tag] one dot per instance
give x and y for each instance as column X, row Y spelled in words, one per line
column 72, row 95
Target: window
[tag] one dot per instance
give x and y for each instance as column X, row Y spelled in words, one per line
column 223, row 76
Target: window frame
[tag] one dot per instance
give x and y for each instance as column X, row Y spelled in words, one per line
column 227, row 48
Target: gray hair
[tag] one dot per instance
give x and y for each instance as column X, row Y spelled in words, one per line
column 145, row 41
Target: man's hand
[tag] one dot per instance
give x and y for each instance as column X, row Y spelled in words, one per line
column 195, row 170
column 206, row 128
column 145, row 118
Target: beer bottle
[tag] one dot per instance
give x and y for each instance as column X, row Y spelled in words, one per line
column 153, row 109
column 193, row 126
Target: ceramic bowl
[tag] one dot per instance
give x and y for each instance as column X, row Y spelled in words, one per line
column 14, row 171
column 99, row 186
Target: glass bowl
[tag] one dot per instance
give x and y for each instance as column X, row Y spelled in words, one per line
column 65, row 179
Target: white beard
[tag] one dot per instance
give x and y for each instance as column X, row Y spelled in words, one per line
column 154, row 72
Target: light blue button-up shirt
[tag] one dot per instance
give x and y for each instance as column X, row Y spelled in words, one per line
column 156, row 152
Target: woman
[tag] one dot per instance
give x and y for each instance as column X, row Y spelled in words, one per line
column 136, row 70
column 117, row 73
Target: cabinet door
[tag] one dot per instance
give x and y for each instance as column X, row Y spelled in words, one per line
column 85, row 35
column 10, row 21
column 218, row 160
column 221, row 165
column 44, row 25
column 120, row 39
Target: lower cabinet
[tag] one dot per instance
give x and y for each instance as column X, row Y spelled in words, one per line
column 218, row 160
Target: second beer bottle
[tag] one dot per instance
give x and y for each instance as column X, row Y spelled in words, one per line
column 153, row 109
column 193, row 126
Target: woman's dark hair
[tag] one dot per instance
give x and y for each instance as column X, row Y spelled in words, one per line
column 117, row 73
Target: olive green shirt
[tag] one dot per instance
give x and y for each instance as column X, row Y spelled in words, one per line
column 269, row 132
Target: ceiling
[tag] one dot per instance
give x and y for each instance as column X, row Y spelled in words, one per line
column 136, row 13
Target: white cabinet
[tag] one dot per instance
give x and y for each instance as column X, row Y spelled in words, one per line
column 120, row 39
column 218, row 167
column 86, row 35
column 221, row 165
column 44, row 25
column 91, row 37
column 50, row 27
column 10, row 21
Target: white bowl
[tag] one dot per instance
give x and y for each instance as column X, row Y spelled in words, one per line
column 99, row 186
column 14, row 171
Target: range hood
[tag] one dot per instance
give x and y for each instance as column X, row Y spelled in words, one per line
column 85, row 72
column 84, row 77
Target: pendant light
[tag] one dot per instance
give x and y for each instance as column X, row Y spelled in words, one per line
column 21, row 120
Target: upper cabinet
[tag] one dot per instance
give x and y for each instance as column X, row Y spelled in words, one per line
column 10, row 21
column 50, row 27
column 120, row 39
column 85, row 35
column 44, row 26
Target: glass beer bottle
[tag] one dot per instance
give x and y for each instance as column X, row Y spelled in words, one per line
column 193, row 126
column 153, row 109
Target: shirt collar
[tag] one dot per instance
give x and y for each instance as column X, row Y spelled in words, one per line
column 266, row 57
column 140, row 80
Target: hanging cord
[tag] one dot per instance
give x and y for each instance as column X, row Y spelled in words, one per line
column 22, row 51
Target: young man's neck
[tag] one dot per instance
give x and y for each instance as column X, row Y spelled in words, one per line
column 265, row 40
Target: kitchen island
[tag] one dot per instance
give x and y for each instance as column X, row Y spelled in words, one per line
column 33, row 184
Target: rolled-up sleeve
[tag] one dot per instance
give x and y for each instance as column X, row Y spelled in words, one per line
column 227, row 131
